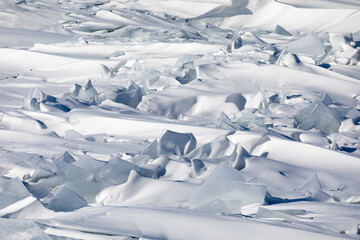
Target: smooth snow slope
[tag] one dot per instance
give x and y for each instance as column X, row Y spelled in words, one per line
column 179, row 119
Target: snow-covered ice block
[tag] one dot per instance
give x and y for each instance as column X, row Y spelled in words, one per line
column 63, row 199
column 88, row 93
column 80, row 181
column 176, row 143
column 309, row 45
column 75, row 89
column 229, row 186
column 64, row 157
column 148, row 78
column 186, row 73
column 116, row 171
column 131, row 97
column 281, row 31
column 14, row 229
column 318, row 115
column 225, row 122
column 310, row 186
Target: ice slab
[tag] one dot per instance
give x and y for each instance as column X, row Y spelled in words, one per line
column 64, row 200
column 40, row 173
column 309, row 45
column 318, row 115
column 176, row 143
column 12, row 191
column 229, row 186
column 88, row 93
column 216, row 206
column 14, row 229
column 116, row 171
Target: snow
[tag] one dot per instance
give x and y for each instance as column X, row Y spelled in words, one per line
column 179, row 119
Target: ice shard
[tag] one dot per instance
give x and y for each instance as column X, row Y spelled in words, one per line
column 88, row 94
column 310, row 186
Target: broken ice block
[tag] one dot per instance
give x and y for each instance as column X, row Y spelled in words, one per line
column 39, row 174
column 274, row 214
column 176, row 143
column 116, row 171
column 310, row 186
column 11, row 192
column 88, row 93
column 238, row 99
column 225, row 122
column 309, row 45
column 147, row 79
column 198, row 166
column 80, row 181
column 64, row 200
column 75, row 89
column 64, row 157
column 15, row 229
column 216, row 206
column 89, row 163
column 187, row 58
column 281, row 31
column 319, row 116
column 187, row 73
column 227, row 184
column 152, row 150
column 226, row 172
column 131, row 97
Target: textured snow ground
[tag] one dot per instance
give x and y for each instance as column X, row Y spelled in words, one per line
column 179, row 119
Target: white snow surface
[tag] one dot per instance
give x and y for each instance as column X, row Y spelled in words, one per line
column 179, row 119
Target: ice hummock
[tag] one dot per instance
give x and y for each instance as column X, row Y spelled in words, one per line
column 64, row 157
column 227, row 185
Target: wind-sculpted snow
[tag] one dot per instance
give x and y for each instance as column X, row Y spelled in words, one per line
column 179, row 119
